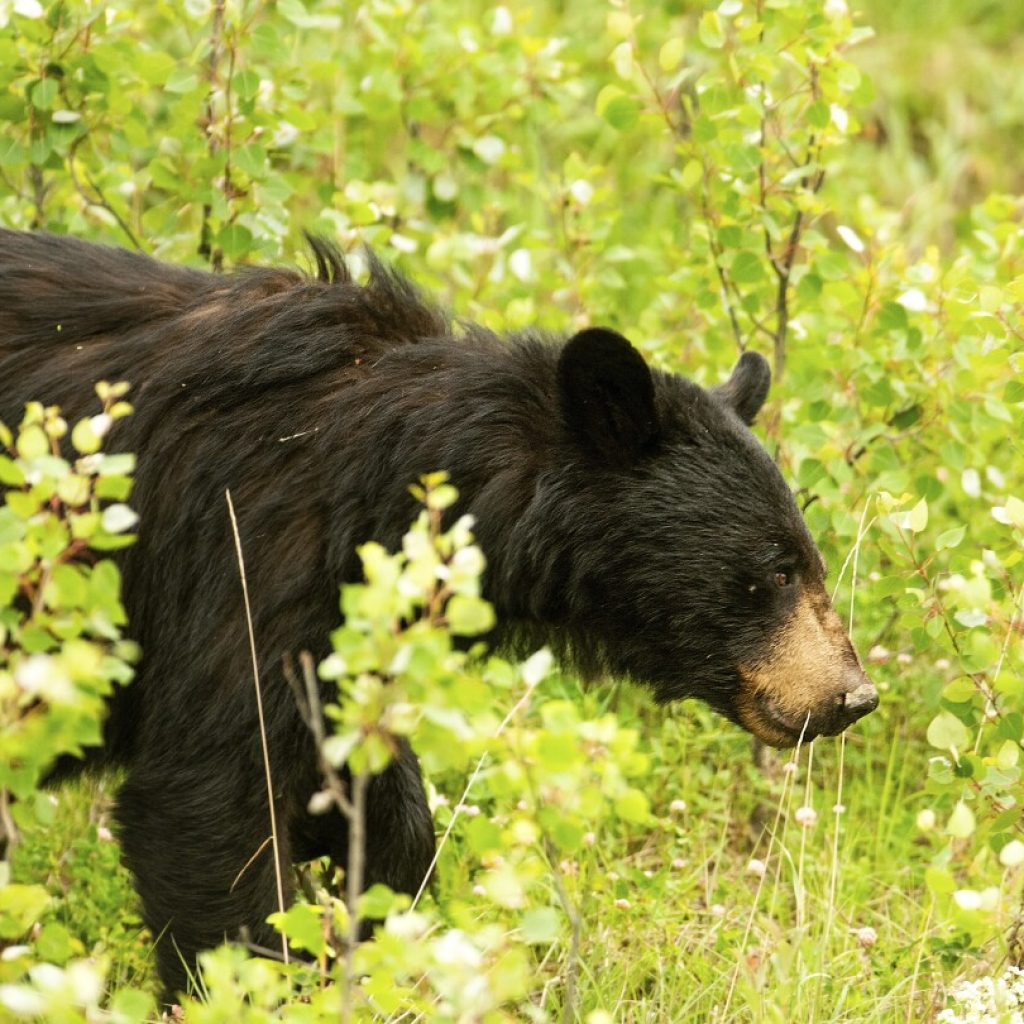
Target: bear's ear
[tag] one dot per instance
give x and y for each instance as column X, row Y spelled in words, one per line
column 607, row 396
column 747, row 388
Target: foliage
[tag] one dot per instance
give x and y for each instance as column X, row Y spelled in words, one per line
column 61, row 653
column 704, row 177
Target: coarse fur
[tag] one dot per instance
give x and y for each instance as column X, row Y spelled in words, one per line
column 629, row 518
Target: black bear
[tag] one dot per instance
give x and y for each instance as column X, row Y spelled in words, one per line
column 629, row 518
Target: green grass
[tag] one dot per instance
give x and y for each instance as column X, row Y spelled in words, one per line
column 677, row 927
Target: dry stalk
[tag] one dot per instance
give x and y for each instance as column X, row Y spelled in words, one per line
column 259, row 711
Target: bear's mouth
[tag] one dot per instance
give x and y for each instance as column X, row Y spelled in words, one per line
column 775, row 726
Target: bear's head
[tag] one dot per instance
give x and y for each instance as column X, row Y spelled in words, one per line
column 676, row 554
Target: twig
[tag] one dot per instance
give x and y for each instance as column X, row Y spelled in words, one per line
column 259, row 711
column 716, row 255
column 101, row 201
column 206, row 248
column 354, row 886
column 9, row 836
column 352, row 807
column 576, row 925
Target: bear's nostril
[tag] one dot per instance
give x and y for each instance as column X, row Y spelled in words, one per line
column 861, row 702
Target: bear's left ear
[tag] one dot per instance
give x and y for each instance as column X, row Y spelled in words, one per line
column 747, row 388
column 607, row 396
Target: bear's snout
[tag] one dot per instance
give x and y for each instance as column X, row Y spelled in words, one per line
column 859, row 702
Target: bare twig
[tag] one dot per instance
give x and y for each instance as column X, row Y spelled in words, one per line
column 354, row 886
column 352, row 805
column 101, row 200
column 9, row 836
column 206, row 247
column 259, row 711
column 576, row 927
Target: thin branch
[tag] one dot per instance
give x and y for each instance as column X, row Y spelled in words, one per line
column 206, row 248
column 716, row 256
column 576, row 926
column 101, row 201
column 352, row 807
column 259, row 711
column 9, row 836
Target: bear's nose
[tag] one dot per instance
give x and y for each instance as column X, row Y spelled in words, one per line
column 860, row 702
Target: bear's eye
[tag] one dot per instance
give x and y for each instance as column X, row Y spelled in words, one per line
column 782, row 579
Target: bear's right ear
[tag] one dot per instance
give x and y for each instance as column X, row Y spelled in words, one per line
column 607, row 396
column 747, row 388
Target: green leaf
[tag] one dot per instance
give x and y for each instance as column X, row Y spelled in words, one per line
column 961, row 822
column 747, row 268
column 246, row 84
column 670, row 56
column 235, row 240
column 378, row 901
column 632, row 805
column 946, row 732
column 915, row 520
column 959, row 691
column 950, row 538
column 11, row 474
column 43, row 93
column 21, row 906
column 302, row 925
column 710, row 31
column 617, row 108
column 692, row 174
column 181, row 80
column 469, row 616
column 84, row 438
column 539, row 926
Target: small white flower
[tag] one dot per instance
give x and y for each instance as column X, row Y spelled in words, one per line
column 914, row 300
column 622, row 904
column 970, row 481
column 677, row 806
column 967, row 899
column 867, row 937
column 582, row 191
column 756, row 867
column 806, row 817
column 501, row 22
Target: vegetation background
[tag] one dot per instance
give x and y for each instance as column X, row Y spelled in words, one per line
column 835, row 184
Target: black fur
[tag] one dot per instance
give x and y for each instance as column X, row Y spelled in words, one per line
column 623, row 513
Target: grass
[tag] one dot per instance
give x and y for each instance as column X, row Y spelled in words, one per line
column 677, row 925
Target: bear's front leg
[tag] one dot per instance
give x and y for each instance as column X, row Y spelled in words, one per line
column 198, row 843
column 399, row 830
